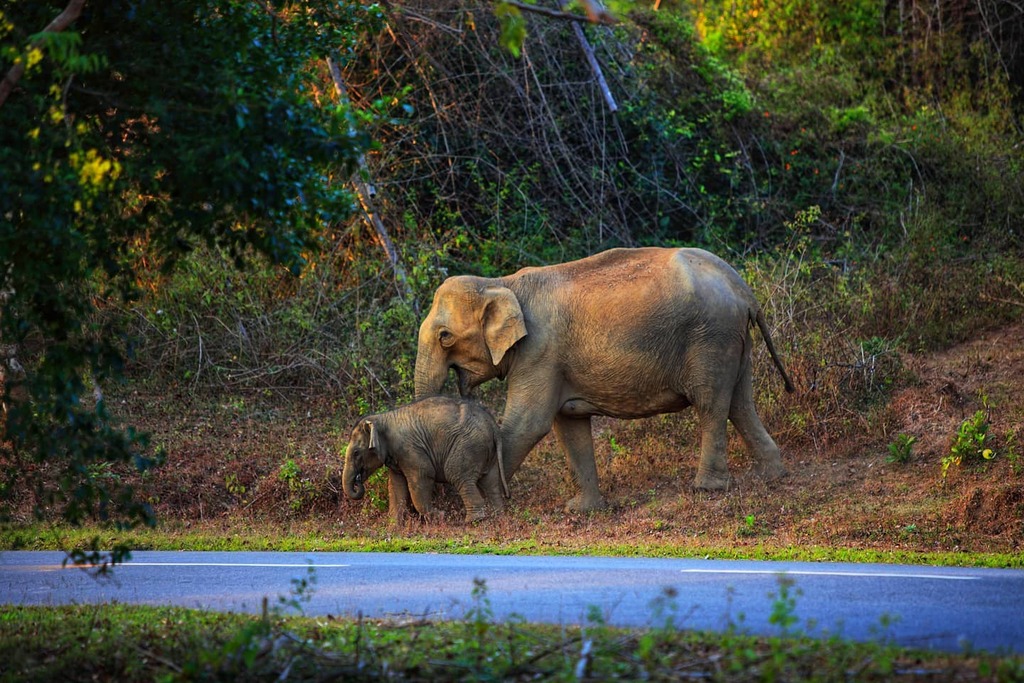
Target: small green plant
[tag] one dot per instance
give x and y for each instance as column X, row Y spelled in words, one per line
column 234, row 486
column 971, row 443
column 301, row 591
column 783, row 612
column 377, row 489
column 300, row 489
column 659, row 638
column 617, row 448
column 289, row 471
column 1012, row 455
column 479, row 623
column 901, row 449
column 748, row 527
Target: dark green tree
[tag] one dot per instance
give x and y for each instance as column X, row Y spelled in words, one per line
column 130, row 132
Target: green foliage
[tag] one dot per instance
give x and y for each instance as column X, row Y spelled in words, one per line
column 1013, row 456
column 109, row 161
column 170, row 644
column 970, row 443
column 301, row 489
column 765, row 32
column 513, row 27
column 749, row 527
column 377, row 489
column 783, row 612
column 191, row 645
column 901, row 450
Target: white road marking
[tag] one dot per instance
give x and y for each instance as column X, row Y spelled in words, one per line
column 826, row 572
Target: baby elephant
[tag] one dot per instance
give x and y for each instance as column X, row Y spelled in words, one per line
column 436, row 439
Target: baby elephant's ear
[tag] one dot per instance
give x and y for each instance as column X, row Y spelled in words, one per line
column 374, row 439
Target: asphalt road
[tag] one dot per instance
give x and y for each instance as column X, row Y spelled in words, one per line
column 943, row 608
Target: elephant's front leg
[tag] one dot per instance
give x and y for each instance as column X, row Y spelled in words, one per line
column 421, row 487
column 576, row 438
column 473, row 499
column 398, row 495
column 528, row 415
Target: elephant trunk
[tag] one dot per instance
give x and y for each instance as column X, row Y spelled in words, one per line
column 352, row 477
column 430, row 374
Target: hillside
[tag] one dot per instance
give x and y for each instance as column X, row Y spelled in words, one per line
column 255, row 466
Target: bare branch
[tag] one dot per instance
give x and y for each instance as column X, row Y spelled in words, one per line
column 61, row 22
column 596, row 14
column 588, row 51
column 366, row 193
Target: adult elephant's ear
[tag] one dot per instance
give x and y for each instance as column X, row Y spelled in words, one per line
column 502, row 320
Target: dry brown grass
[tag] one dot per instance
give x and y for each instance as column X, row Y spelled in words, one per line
column 227, row 470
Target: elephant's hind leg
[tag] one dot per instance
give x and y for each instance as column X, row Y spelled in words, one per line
column 767, row 457
column 712, row 406
column 713, row 471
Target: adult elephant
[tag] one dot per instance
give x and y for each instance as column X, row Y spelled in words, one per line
column 626, row 333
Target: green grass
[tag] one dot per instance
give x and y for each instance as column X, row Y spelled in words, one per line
column 128, row 643
column 40, row 537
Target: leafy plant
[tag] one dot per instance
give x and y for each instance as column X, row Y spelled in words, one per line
column 901, row 449
column 970, row 444
column 1010, row 446
column 783, row 611
column 300, row 488
column 234, row 486
column 748, row 527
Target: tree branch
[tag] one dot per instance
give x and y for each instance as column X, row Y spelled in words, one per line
column 595, row 67
column 63, row 20
column 596, row 13
column 366, row 192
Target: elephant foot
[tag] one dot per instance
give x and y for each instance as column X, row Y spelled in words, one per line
column 712, row 481
column 477, row 516
column 582, row 503
column 770, row 471
column 432, row 516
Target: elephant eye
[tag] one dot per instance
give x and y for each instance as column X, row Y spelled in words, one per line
column 446, row 338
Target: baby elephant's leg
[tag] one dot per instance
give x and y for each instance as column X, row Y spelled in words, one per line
column 398, row 496
column 422, row 489
column 472, row 498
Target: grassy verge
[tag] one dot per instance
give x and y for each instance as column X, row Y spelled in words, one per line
column 125, row 643
column 312, row 538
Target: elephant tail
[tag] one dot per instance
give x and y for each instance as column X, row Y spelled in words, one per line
column 763, row 326
column 501, row 465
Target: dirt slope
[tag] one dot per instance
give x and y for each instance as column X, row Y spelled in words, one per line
column 257, row 463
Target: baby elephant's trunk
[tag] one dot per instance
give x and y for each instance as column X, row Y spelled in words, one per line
column 352, row 478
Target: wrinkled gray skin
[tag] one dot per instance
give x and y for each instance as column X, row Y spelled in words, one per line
column 626, row 333
column 437, row 439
